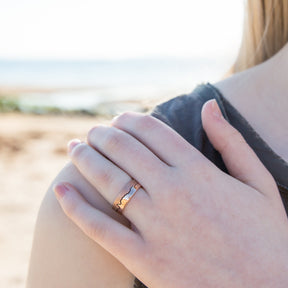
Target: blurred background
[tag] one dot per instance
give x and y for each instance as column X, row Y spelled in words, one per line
column 67, row 64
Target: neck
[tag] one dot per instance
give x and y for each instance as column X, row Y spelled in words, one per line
column 273, row 79
column 265, row 85
column 260, row 94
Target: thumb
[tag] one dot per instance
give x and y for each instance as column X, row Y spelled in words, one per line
column 239, row 158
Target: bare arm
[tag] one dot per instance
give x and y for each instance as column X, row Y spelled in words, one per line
column 62, row 256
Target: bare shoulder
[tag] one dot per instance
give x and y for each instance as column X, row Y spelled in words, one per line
column 62, row 255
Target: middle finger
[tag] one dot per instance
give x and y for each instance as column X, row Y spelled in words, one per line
column 129, row 154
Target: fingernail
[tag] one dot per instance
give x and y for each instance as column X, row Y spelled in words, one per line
column 72, row 143
column 216, row 110
column 60, row 190
column 115, row 118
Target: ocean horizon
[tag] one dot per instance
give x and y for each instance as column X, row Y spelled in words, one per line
column 83, row 84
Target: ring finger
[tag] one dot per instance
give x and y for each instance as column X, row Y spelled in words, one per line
column 107, row 178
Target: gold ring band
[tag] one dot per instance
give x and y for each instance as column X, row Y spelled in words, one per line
column 125, row 196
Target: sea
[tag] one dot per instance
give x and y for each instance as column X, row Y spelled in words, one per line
column 87, row 83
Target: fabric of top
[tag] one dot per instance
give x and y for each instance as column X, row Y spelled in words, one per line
column 183, row 114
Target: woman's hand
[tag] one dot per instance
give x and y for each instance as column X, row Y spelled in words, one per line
column 192, row 225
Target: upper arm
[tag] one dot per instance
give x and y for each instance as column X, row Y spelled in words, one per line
column 62, row 255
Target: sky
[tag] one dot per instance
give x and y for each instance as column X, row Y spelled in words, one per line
column 117, row 29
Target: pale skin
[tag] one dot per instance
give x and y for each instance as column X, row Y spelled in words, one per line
column 192, row 223
column 58, row 242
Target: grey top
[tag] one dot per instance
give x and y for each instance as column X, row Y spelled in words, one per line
column 183, row 114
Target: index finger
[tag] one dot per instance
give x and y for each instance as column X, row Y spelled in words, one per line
column 160, row 138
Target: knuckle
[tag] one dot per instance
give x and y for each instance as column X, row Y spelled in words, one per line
column 122, row 118
column 112, row 140
column 235, row 137
column 91, row 133
column 79, row 153
column 146, row 122
column 173, row 183
column 198, row 171
column 202, row 168
column 196, row 164
column 105, row 177
column 71, row 208
column 97, row 230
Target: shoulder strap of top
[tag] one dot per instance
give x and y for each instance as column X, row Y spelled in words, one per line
column 183, row 114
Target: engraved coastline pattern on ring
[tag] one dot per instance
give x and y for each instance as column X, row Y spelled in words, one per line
column 125, row 196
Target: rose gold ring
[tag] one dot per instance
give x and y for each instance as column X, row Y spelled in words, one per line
column 125, row 196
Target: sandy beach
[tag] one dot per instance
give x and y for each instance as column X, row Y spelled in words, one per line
column 32, row 151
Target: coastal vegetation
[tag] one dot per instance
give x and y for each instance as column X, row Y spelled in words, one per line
column 108, row 109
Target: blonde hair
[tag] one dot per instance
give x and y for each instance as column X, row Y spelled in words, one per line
column 265, row 32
